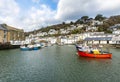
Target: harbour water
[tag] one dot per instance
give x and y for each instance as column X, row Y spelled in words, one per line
column 57, row 64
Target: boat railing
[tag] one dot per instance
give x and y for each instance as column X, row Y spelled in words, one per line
column 93, row 48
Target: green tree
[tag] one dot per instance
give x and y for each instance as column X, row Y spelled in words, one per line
column 75, row 31
column 79, row 21
column 71, row 23
column 108, row 31
column 84, row 18
column 99, row 17
column 63, row 23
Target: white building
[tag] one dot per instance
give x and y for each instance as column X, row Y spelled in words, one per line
column 96, row 22
column 116, row 32
column 116, row 39
column 73, row 27
column 63, row 31
column 42, row 34
column 52, row 31
column 71, row 39
column 79, row 26
column 52, row 40
column 91, row 28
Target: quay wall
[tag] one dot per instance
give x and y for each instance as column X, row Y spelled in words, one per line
column 6, row 46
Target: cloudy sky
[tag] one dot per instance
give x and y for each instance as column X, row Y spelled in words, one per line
column 33, row 14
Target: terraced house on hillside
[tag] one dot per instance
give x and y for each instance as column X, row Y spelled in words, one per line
column 8, row 33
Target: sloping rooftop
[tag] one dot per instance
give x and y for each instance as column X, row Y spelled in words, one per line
column 2, row 27
column 11, row 28
column 98, row 38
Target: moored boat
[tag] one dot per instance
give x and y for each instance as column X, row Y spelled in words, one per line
column 92, row 53
column 39, row 46
column 36, row 46
column 24, row 48
column 30, row 47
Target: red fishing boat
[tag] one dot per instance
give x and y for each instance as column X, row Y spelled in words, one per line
column 93, row 53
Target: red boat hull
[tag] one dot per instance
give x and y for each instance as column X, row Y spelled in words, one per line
column 91, row 55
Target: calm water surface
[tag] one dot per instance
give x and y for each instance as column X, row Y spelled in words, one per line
column 57, row 64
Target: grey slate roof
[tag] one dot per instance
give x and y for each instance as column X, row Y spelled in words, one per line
column 2, row 28
column 98, row 38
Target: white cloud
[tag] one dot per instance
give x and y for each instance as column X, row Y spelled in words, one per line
column 11, row 14
column 36, row 17
column 8, row 7
column 35, row 1
column 9, row 11
column 72, row 9
column 108, row 5
column 41, row 16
